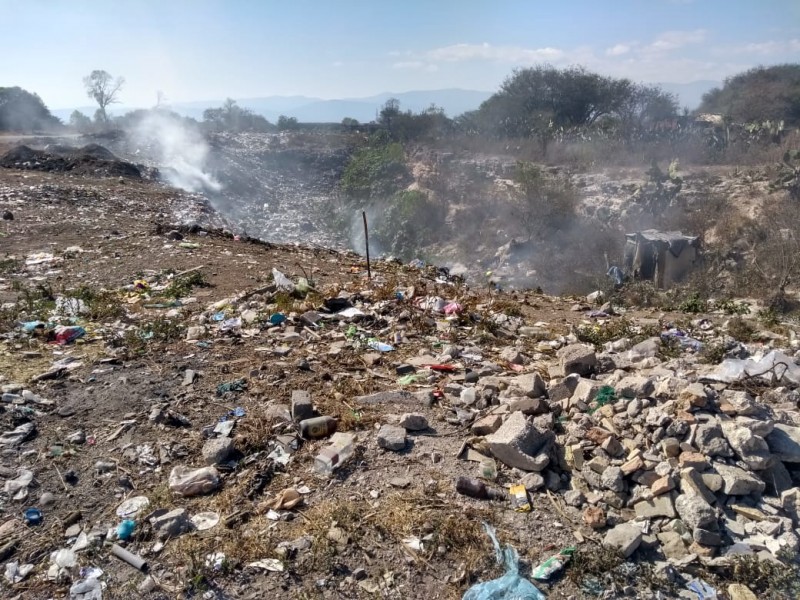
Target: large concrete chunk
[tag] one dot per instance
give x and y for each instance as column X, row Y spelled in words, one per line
column 751, row 448
column 217, row 450
column 635, row 386
column 625, row 538
column 709, row 440
column 695, row 512
column 519, row 444
column 784, row 441
column 531, row 385
column 738, row 482
column 660, row 506
column 577, row 358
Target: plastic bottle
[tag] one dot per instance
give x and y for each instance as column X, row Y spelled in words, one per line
column 318, row 427
column 489, row 469
column 334, row 454
column 477, row 489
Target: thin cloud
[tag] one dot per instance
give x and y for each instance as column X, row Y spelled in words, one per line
column 618, row 50
column 485, row 51
column 415, row 65
column 768, row 48
column 673, row 40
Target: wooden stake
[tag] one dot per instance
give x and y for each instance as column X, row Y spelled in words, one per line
column 366, row 243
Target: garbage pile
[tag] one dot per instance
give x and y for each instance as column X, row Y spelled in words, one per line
column 273, row 419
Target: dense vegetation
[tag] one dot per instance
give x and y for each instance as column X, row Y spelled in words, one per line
column 757, row 95
column 22, row 111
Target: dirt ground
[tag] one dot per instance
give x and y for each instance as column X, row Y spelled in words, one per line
column 359, row 522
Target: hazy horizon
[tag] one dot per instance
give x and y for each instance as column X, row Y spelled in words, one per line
column 209, row 49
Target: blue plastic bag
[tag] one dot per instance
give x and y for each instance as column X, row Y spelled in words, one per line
column 508, row 587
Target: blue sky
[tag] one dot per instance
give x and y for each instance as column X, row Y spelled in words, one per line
column 212, row 49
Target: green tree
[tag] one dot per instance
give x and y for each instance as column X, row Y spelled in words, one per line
column 22, row 111
column 350, row 122
column 80, row 122
column 757, row 95
column 288, row 123
column 232, row 117
column 103, row 89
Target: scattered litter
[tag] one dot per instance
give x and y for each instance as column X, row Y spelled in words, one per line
column 268, row 564
column 702, row 589
column 132, row 507
column 544, row 571
column 511, row 585
column 205, row 520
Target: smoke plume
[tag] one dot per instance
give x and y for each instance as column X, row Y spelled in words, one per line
column 180, row 150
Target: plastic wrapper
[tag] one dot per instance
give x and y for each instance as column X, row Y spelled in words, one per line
column 774, row 367
column 282, row 281
column 184, row 481
column 511, row 586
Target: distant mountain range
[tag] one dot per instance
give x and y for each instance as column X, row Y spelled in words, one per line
column 318, row 110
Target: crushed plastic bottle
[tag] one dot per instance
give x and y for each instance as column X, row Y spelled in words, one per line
column 511, row 586
column 283, row 282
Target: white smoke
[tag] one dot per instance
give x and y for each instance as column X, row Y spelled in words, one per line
column 181, row 151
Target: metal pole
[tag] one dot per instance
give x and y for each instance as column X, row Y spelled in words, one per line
column 366, row 243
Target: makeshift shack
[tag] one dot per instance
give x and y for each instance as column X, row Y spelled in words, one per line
column 663, row 257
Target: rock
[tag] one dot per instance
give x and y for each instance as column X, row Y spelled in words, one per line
column 486, row 425
column 302, row 408
column 633, row 465
column 391, row 437
column 693, row 459
column 533, row 482
column 585, row 391
column 612, row 479
column 577, row 358
column 784, row 442
column 563, row 389
column 709, row 440
column 706, row 537
column 413, row 421
column 531, row 385
column 511, row 355
column 660, row 506
column 694, row 396
column 672, row 544
column 692, row 483
column 695, row 512
column 742, row 402
column 761, row 427
column 790, row 501
column 47, row 500
column 662, row 485
column 528, row 406
column 635, row 386
column 713, row 481
column 751, row 448
column 702, row 551
column 671, row 447
column 594, row 517
column 612, row 447
column 643, row 350
column 738, row 482
column 739, row 591
column 519, row 444
column 624, row 537
column 217, row 450
column 170, row 524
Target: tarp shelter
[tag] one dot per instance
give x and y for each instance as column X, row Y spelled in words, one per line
column 663, row 257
